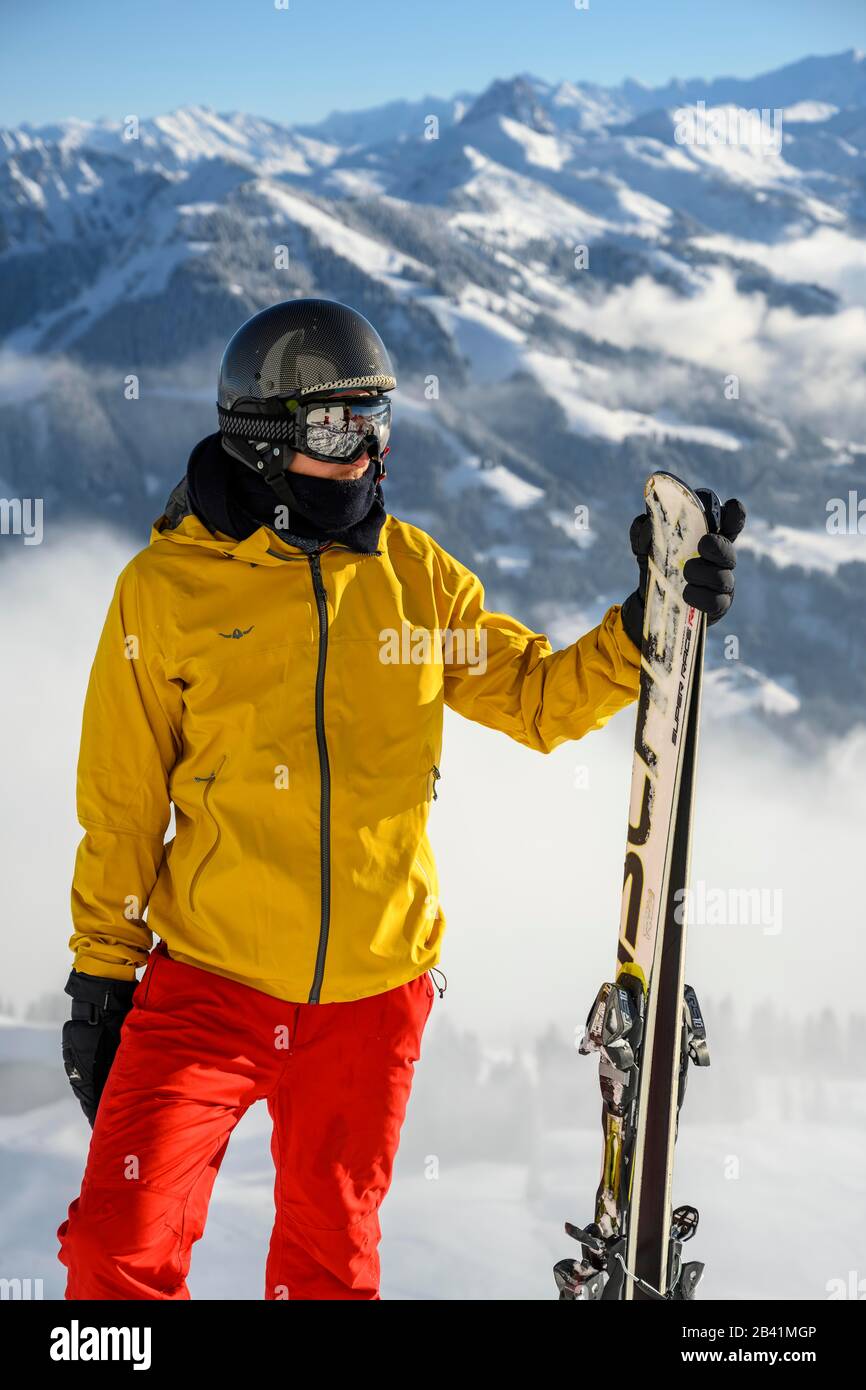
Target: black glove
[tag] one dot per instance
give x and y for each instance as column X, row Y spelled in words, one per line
column 92, row 1035
column 709, row 576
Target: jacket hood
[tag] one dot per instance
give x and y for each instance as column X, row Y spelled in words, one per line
column 208, row 474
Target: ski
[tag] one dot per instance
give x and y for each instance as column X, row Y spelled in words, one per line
column 647, row 1026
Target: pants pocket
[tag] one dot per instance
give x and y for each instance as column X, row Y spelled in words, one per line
column 142, row 994
column 405, row 1011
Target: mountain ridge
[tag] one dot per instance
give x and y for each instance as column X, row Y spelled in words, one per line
column 702, row 264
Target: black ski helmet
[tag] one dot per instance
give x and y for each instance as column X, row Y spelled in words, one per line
column 299, row 348
column 283, row 356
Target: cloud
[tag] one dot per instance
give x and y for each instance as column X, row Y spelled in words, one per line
column 807, row 368
column 24, row 378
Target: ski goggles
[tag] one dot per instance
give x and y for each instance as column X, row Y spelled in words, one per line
column 330, row 428
column 342, row 428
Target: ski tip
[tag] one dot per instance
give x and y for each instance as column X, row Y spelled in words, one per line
column 671, row 477
column 663, row 488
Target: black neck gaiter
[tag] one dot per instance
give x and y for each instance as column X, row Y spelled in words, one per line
column 229, row 497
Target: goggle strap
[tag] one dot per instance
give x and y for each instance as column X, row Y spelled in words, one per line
column 266, row 428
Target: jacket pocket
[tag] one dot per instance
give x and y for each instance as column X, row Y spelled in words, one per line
column 425, row 871
column 207, row 784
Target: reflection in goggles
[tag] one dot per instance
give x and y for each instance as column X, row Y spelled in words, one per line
column 337, row 428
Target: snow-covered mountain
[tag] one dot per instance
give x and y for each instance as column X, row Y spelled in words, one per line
column 579, row 284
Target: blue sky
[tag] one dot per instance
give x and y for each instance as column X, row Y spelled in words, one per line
column 116, row 57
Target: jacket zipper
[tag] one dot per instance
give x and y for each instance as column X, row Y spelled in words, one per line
column 208, row 781
column 432, row 778
column 324, row 776
column 314, row 558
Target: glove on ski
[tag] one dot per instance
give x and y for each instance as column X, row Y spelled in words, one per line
column 709, row 576
column 92, row 1035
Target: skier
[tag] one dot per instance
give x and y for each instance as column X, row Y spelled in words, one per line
column 274, row 666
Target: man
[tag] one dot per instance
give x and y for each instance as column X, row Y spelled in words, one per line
column 275, row 666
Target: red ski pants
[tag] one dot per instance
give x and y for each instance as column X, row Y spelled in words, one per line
column 196, row 1051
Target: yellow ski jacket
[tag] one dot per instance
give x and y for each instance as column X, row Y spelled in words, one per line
column 289, row 707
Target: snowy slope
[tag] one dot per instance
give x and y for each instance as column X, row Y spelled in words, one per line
column 489, row 1228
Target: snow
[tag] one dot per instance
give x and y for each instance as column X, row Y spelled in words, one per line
column 29, row 188
column 492, row 1229
column 594, row 111
column 809, row 112
column 512, row 209
column 516, row 492
column 509, row 559
column 565, row 522
column 752, row 163
column 546, row 151
column 190, row 134
column 651, row 215
column 356, row 183
column 486, row 339
column 659, row 156
column 374, row 257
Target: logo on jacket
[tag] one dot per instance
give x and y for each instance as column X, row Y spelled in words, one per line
column 238, row 632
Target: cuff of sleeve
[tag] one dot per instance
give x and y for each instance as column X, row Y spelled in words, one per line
column 105, row 970
column 624, row 644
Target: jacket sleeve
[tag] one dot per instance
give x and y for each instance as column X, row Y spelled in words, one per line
column 129, row 742
column 499, row 673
